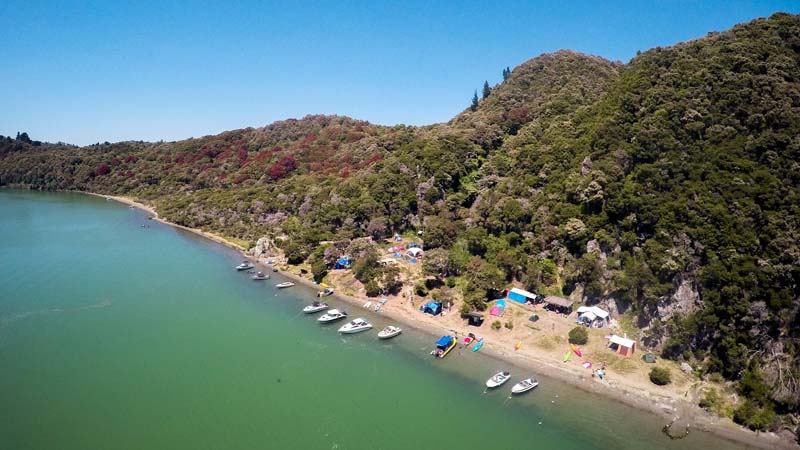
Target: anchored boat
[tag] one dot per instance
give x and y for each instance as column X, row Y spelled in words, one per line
column 355, row 326
column 498, row 379
column 332, row 315
column 524, row 386
column 389, row 332
column 315, row 307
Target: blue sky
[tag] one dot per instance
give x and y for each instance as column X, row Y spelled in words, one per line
column 85, row 72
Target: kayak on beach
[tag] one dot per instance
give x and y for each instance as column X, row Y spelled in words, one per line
column 478, row 345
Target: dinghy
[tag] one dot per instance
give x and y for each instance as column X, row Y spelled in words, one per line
column 389, row 332
column 245, row 265
column 332, row 315
column 325, row 293
column 315, row 307
column 524, row 386
column 260, row 276
column 498, row 379
column 355, row 326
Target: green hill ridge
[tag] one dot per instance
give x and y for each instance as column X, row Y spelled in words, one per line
column 666, row 189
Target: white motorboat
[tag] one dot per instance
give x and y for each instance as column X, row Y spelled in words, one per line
column 498, row 379
column 332, row 315
column 355, row 326
column 284, row 285
column 325, row 293
column 260, row 276
column 315, row 307
column 389, row 332
column 245, row 265
column 524, row 386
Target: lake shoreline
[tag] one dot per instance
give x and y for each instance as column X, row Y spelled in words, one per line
column 662, row 406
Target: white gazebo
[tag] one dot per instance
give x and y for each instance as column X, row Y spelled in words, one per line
column 592, row 316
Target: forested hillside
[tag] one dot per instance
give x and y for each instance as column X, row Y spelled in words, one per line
column 666, row 189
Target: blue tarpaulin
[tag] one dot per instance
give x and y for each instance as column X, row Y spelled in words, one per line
column 444, row 341
column 343, row 263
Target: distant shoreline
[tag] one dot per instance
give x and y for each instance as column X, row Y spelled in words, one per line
column 629, row 395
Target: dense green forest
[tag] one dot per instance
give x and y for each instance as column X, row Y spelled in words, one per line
column 667, row 188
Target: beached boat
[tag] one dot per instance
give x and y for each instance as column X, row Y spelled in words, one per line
column 325, row 293
column 567, row 355
column 443, row 346
column 478, row 345
column 315, row 307
column 524, row 386
column 576, row 350
column 332, row 315
column 389, row 332
column 245, row 265
column 284, row 285
column 498, row 379
column 355, row 326
column 260, row 276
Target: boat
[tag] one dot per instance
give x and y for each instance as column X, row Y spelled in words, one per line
column 518, row 346
column 284, row 285
column 355, row 326
column 478, row 345
column 260, row 276
column 332, row 315
column 443, row 346
column 469, row 339
column 567, row 355
column 498, row 379
column 389, row 332
column 576, row 350
column 524, row 386
column 325, row 293
column 245, row 265
column 315, row 307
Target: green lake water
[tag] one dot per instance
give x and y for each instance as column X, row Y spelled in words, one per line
column 115, row 336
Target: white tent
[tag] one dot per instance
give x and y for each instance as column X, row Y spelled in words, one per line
column 624, row 346
column 414, row 252
column 592, row 315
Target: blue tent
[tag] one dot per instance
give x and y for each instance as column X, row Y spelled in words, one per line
column 343, row 263
column 432, row 308
column 444, row 341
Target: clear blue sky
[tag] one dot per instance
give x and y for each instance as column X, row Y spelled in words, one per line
column 84, row 72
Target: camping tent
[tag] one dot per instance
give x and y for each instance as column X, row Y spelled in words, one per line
column 498, row 308
column 621, row 345
column 343, row 263
column 521, row 295
column 592, row 316
column 414, row 252
column 432, row 308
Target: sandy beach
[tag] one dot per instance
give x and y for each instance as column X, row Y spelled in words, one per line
column 543, row 344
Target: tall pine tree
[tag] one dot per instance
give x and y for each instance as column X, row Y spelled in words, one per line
column 474, row 105
column 486, row 89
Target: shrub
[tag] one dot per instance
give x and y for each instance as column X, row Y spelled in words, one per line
column 496, row 325
column 578, row 335
column 420, row 289
column 372, row 288
column 660, row 376
column 509, row 325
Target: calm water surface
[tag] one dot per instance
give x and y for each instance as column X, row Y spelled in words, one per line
column 114, row 336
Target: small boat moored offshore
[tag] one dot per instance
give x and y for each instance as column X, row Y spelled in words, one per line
column 325, row 293
column 389, row 332
column 443, row 346
column 332, row 315
column 315, row 307
column 245, row 265
column 524, row 386
column 284, row 285
column 498, row 379
column 355, row 326
column 260, row 276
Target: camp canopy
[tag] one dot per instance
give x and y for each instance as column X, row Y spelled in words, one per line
column 590, row 314
column 498, row 308
column 521, row 295
column 432, row 308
